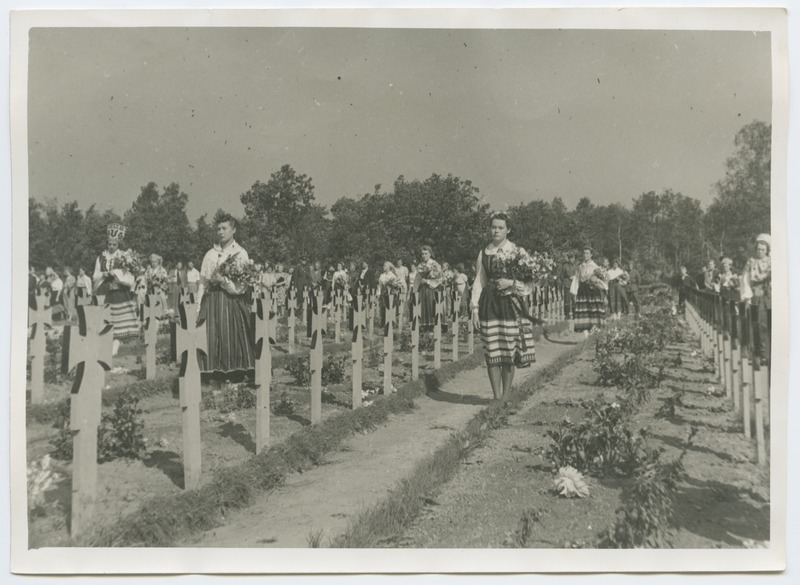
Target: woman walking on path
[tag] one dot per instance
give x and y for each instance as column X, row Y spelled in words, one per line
column 756, row 290
column 429, row 280
column 500, row 311
column 616, row 290
column 589, row 287
column 113, row 279
column 225, row 305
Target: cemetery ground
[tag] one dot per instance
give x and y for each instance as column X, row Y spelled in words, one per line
column 434, row 465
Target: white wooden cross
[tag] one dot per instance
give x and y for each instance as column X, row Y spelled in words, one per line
column 263, row 373
column 152, row 311
column 90, row 355
column 454, row 323
column 84, row 297
column 437, row 329
column 290, row 319
column 388, row 343
column 186, row 296
column 416, row 314
column 318, row 319
column 39, row 317
column 357, row 348
column 190, row 339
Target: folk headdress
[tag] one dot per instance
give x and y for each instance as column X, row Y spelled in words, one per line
column 764, row 238
column 115, row 233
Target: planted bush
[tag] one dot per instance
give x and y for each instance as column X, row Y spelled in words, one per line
column 230, row 398
column 121, row 435
column 333, row 369
column 300, row 369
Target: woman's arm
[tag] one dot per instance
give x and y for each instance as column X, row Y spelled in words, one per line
column 480, row 282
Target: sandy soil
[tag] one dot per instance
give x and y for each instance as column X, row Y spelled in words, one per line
column 723, row 503
column 321, row 502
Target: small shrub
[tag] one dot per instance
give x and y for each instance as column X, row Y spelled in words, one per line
column 521, row 537
column 284, row 406
column 62, row 442
column 632, row 374
column 373, row 357
column 602, row 444
column 333, row 369
column 300, row 370
column 646, row 519
column 230, row 398
column 667, row 410
column 426, row 342
column 120, row 435
column 41, row 477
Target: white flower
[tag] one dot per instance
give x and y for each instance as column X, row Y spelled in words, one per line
column 570, row 484
column 614, row 405
column 163, row 443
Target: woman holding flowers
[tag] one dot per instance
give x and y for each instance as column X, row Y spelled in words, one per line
column 756, row 290
column 388, row 284
column 589, row 286
column 225, row 304
column 503, row 278
column 114, row 277
column 429, row 280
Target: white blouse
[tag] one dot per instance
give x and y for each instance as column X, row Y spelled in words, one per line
column 213, row 258
column 482, row 279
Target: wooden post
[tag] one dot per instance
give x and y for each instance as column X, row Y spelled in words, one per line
column 38, row 318
column 191, row 338
column 454, row 323
column 401, row 307
column 185, row 296
column 263, row 367
column 736, row 387
column 318, row 317
column 759, row 386
column 372, row 301
column 726, row 351
column 290, row 318
column 306, row 299
column 90, row 354
column 337, row 316
column 437, row 330
column 745, row 367
column 357, row 349
column 416, row 313
column 152, row 310
column 388, row 344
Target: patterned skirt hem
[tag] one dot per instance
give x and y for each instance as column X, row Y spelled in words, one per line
column 518, row 361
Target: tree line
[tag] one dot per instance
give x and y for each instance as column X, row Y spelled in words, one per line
column 281, row 221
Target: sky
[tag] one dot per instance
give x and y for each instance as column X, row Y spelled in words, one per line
column 523, row 114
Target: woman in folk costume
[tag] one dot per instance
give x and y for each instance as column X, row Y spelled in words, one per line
column 113, row 280
column 616, row 290
column 225, row 305
column 589, row 286
column 500, row 311
column 729, row 282
column 429, row 280
column 388, row 283
column 756, row 290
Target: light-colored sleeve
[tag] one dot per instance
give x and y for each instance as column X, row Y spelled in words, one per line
column 746, row 289
column 206, row 269
column 97, row 276
column 480, row 282
column 573, row 287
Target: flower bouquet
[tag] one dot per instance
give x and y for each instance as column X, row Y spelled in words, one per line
column 598, row 277
column 430, row 270
column 516, row 264
column 390, row 283
column 159, row 281
column 448, row 278
column 340, row 279
column 127, row 261
column 244, row 273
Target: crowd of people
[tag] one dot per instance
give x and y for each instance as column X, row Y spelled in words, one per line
column 751, row 284
column 495, row 302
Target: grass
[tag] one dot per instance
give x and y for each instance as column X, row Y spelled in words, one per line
column 390, row 517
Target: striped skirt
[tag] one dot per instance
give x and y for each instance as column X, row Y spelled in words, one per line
column 427, row 301
column 506, row 333
column 229, row 332
column 123, row 316
column 589, row 308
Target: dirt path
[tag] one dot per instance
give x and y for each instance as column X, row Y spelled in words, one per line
column 320, row 503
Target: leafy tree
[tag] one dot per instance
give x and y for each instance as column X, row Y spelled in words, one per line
column 741, row 208
column 158, row 223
